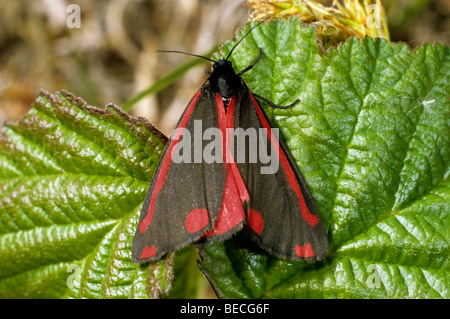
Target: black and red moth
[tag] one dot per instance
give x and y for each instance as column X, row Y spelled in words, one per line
column 202, row 202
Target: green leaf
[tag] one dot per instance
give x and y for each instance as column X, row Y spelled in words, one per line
column 72, row 181
column 371, row 136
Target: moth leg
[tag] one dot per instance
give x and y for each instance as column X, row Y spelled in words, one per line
column 273, row 105
column 251, row 65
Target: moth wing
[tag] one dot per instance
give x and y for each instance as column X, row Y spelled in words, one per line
column 282, row 216
column 184, row 198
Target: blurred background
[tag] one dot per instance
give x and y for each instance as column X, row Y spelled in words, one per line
column 112, row 57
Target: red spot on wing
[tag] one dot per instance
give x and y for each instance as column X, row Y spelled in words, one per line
column 292, row 179
column 305, row 251
column 255, row 221
column 196, row 220
column 148, row 252
column 166, row 163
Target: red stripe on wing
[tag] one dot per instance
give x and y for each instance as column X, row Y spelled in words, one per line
column 235, row 194
column 292, row 179
column 232, row 212
column 166, row 163
column 243, row 193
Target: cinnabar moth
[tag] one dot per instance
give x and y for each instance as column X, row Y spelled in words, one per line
column 199, row 201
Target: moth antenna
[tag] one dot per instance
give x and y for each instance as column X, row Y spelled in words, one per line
column 186, row 53
column 245, row 35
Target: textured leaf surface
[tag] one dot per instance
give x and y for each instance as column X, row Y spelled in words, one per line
column 371, row 136
column 72, row 180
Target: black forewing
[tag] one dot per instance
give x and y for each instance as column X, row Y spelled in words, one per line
column 271, row 195
column 183, row 188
